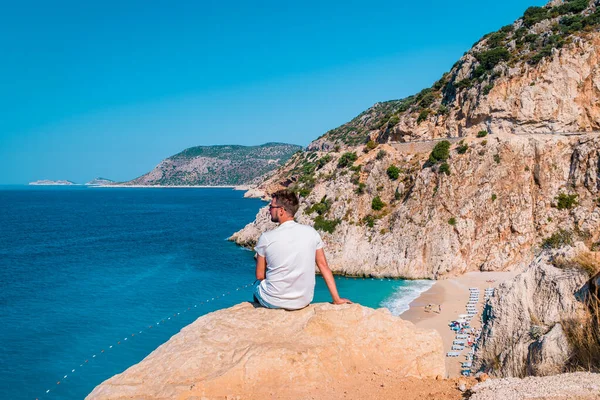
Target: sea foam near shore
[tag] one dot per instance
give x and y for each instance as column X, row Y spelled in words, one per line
column 399, row 301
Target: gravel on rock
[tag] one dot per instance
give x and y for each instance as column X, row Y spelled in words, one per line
column 577, row 385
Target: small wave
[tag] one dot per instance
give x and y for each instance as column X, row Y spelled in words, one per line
column 398, row 302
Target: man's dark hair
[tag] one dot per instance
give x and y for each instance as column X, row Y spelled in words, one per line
column 288, row 200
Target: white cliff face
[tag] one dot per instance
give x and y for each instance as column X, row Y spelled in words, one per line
column 523, row 335
column 498, row 203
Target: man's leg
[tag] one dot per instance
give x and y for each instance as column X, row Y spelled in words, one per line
column 258, row 299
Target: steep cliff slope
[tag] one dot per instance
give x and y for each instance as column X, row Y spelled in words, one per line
column 523, row 334
column 404, row 203
column 218, row 165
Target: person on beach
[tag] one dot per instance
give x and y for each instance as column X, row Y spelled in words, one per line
column 286, row 257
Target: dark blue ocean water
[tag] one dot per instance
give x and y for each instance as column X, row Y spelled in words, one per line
column 94, row 279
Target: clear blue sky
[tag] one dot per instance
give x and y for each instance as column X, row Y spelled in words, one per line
column 111, row 88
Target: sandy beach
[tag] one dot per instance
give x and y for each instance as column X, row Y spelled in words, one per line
column 453, row 295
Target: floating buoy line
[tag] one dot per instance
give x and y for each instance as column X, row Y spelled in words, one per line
column 162, row 321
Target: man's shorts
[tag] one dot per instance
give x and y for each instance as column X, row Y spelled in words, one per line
column 260, row 300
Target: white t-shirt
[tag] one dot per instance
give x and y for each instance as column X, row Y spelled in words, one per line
column 290, row 253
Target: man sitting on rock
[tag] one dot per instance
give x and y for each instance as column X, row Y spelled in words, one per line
column 286, row 257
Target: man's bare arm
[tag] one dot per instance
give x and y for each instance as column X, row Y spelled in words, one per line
column 328, row 276
column 261, row 267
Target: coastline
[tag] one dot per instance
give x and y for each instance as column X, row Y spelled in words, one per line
column 233, row 187
column 452, row 294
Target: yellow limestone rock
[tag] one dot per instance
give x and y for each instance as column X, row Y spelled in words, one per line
column 243, row 351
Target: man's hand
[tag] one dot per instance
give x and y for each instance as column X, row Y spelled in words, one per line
column 342, row 301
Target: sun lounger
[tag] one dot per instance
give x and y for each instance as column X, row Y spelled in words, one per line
column 457, row 347
column 462, row 336
column 452, row 354
column 459, row 342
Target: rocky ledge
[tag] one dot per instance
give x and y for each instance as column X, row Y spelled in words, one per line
column 251, row 352
column 574, row 386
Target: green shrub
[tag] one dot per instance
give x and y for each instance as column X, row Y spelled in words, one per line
column 465, row 83
column 393, row 172
column 497, row 158
column 530, row 38
column 443, row 110
column 495, row 39
column 377, row 204
column 571, row 6
column 481, row 134
column 558, row 239
column 422, row 116
column 440, row 83
column 305, row 191
column 381, row 154
column 571, row 24
column 489, row 59
column 326, row 225
column 494, row 197
column 394, row 120
column 487, row 89
column 369, row 220
column 444, row 169
column 566, row 201
column 371, row 145
column 347, row 159
column 533, row 15
column 452, row 221
column 440, row 152
column 479, row 71
column 419, row 97
column 322, row 207
column 308, row 169
column 427, row 100
column 361, row 188
column 397, row 194
column 546, row 51
column 323, row 160
column 462, row 149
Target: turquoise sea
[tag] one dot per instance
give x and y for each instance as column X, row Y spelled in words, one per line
column 94, row 279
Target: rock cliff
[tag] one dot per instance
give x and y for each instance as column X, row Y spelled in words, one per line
column 523, row 334
column 498, row 200
column 508, row 108
column 248, row 352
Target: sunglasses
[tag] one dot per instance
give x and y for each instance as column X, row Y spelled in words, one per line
column 272, row 207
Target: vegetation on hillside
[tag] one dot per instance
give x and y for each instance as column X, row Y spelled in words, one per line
column 220, row 165
column 512, row 44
